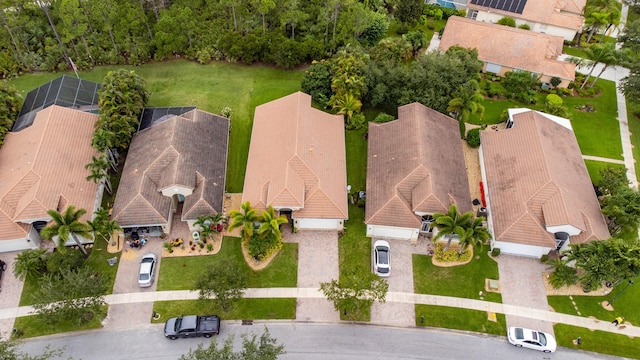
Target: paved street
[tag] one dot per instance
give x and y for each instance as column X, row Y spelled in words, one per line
column 305, row 341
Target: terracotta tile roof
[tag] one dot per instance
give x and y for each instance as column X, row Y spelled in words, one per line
column 536, row 176
column 42, row 168
column 297, row 159
column 415, row 164
column 187, row 151
column 561, row 13
column 507, row 46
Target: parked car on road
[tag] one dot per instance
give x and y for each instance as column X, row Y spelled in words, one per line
column 531, row 339
column 147, row 270
column 381, row 258
column 3, row 267
column 192, row 326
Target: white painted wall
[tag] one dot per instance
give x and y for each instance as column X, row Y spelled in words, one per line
column 520, row 249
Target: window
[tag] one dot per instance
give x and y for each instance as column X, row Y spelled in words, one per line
column 473, row 14
column 427, row 224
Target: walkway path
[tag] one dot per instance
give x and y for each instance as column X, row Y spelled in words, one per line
column 598, row 158
column 392, row 297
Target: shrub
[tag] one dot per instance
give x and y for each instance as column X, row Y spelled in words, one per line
column 361, row 202
column 555, row 81
column 555, row 100
column 383, row 117
column 524, row 27
column 451, row 255
column 473, row 137
column 209, row 247
column 507, row 21
column 205, row 55
column 544, row 258
column 563, row 275
column 69, row 260
column 357, row 122
column 504, row 115
column 495, row 252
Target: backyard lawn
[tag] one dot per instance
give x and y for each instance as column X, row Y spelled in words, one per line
column 180, row 273
column 209, row 87
column 464, row 281
column 598, row 132
column 594, row 167
column 460, row 319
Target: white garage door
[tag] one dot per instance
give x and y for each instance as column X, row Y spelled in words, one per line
column 318, row 224
column 392, row 232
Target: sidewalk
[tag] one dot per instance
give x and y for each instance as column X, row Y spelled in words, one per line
column 392, row 297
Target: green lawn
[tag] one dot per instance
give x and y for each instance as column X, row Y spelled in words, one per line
column 180, row 273
column 252, row 309
column 634, row 129
column 97, row 260
column 594, row 168
column 598, row 132
column 597, row 341
column 465, row 281
column 460, row 319
column 34, row 325
column 624, row 305
column 209, row 87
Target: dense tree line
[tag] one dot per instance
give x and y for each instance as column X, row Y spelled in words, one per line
column 45, row 35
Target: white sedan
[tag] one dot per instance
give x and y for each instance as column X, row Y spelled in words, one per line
column 531, row 339
column 381, row 258
column 147, row 269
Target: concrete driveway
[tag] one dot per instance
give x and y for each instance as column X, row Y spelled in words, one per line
column 123, row 315
column 318, row 262
column 400, row 280
column 10, row 294
column 521, row 284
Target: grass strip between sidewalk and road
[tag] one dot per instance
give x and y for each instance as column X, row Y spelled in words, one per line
column 244, row 309
column 460, row 319
column 597, row 341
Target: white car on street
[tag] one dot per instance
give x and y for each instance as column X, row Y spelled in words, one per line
column 531, row 339
column 381, row 258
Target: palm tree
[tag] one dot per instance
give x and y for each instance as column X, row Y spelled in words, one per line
column 595, row 18
column 204, row 222
column 621, row 57
column 67, row 225
column 271, row 223
column 346, row 104
column 467, row 102
column 600, row 53
column 99, row 168
column 244, row 219
column 30, row 264
column 451, row 224
column 475, row 235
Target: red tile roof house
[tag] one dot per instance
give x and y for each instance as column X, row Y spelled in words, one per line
column 555, row 17
column 42, row 168
column 297, row 163
column 415, row 168
column 538, row 192
column 503, row 49
column 175, row 165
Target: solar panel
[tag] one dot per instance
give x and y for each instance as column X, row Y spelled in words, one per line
column 514, row 6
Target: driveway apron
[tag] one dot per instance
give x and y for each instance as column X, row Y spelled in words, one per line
column 522, row 284
column 126, row 315
column 317, row 262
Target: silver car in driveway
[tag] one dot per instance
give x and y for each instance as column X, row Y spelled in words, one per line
column 381, row 258
column 147, row 270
